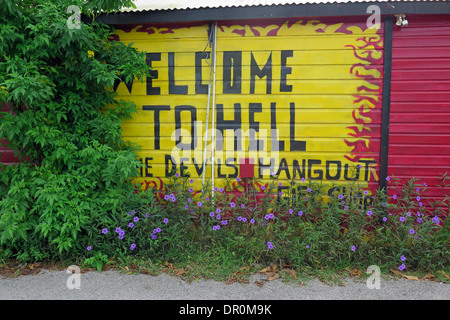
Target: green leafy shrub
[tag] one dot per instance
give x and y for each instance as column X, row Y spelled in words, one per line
column 65, row 125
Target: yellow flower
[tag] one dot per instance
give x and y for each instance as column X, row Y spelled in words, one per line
column 90, row 53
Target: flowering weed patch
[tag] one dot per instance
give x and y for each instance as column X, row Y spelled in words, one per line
column 255, row 224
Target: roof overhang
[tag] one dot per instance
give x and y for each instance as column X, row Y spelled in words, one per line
column 330, row 9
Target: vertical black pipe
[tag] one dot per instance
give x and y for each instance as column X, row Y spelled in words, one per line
column 387, row 61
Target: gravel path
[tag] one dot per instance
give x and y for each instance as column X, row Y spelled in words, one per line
column 113, row 285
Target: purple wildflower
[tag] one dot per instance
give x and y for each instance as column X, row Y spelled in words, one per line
column 353, row 248
column 384, row 219
column 291, row 211
column 309, row 189
column 177, row 175
column 401, row 267
column 242, row 206
column 105, row 231
column 199, row 204
column 211, row 214
column 369, row 213
column 166, row 197
column 411, row 231
column 394, row 197
column 131, row 224
column 218, row 217
column 232, row 204
column 300, row 213
column 136, row 219
column 252, row 221
column 89, row 248
column 435, row 220
column 218, row 210
column 166, row 220
column 263, row 187
column 270, row 245
column 133, row 245
column 191, row 181
column 403, row 258
column 402, row 219
column 238, row 179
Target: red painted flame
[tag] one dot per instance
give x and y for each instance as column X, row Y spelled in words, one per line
column 365, row 142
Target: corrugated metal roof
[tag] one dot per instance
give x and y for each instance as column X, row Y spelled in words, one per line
column 153, row 5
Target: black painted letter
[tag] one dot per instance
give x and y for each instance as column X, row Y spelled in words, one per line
column 157, row 123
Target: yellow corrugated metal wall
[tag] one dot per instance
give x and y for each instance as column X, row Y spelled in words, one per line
column 309, row 91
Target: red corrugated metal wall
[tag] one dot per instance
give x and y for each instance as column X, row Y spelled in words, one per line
column 419, row 140
column 6, row 156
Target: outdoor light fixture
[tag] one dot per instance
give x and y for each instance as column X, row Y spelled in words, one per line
column 401, row 21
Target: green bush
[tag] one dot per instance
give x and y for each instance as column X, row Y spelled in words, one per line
column 75, row 168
